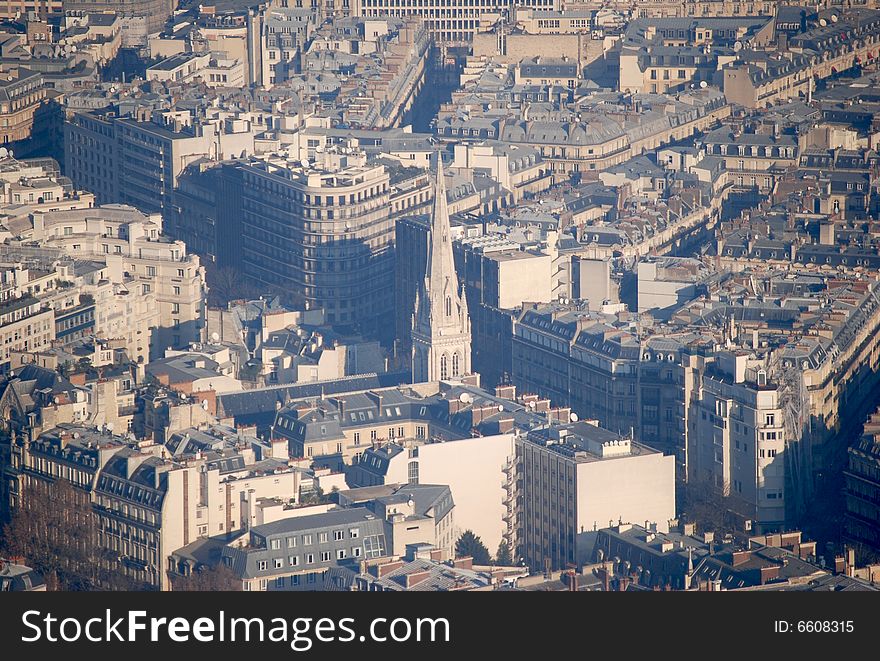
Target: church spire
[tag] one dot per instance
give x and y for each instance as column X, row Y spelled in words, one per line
column 441, row 326
column 440, row 260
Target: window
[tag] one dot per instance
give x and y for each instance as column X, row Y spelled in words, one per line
column 338, row 535
column 307, row 540
column 455, row 366
column 263, row 565
column 293, row 560
column 279, row 582
column 340, row 554
column 357, row 438
column 374, row 546
column 325, row 556
column 356, row 551
column 444, row 367
column 770, row 419
column 354, row 533
column 275, row 544
column 413, row 472
column 151, row 271
column 322, row 537
column 310, row 558
column 291, row 542
column 279, row 563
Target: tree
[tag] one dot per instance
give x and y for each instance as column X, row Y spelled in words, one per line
column 503, row 556
column 469, row 545
column 708, row 506
column 208, row 579
column 54, row 531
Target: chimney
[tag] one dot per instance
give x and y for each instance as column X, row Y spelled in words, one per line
column 826, row 233
column 416, row 578
column 740, row 557
column 506, row 392
column 463, row 563
column 387, row 568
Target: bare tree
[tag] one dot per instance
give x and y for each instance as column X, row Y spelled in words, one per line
column 54, row 531
column 707, row 505
column 208, row 579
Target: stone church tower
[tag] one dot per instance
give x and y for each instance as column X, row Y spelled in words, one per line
column 441, row 328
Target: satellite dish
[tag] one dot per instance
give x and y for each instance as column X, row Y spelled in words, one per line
column 464, row 398
column 703, row 84
column 4, row 152
column 573, row 417
column 205, row 404
column 834, row 18
column 823, row 22
column 304, row 163
column 215, row 337
column 737, row 47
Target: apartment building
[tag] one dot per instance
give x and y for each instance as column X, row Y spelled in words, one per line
column 324, row 229
column 145, row 274
column 416, row 514
column 286, row 30
column 738, row 439
column 298, row 553
column 862, row 524
column 26, row 324
column 577, row 478
column 153, row 12
column 136, row 157
column 149, row 500
column 212, row 69
column 448, row 23
column 22, row 93
column 753, row 160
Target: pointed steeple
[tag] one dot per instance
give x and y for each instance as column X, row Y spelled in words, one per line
column 440, row 259
column 441, row 325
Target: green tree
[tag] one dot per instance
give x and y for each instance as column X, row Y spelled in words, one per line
column 469, row 545
column 503, row 556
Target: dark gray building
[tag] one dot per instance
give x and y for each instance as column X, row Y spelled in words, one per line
column 297, row 553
